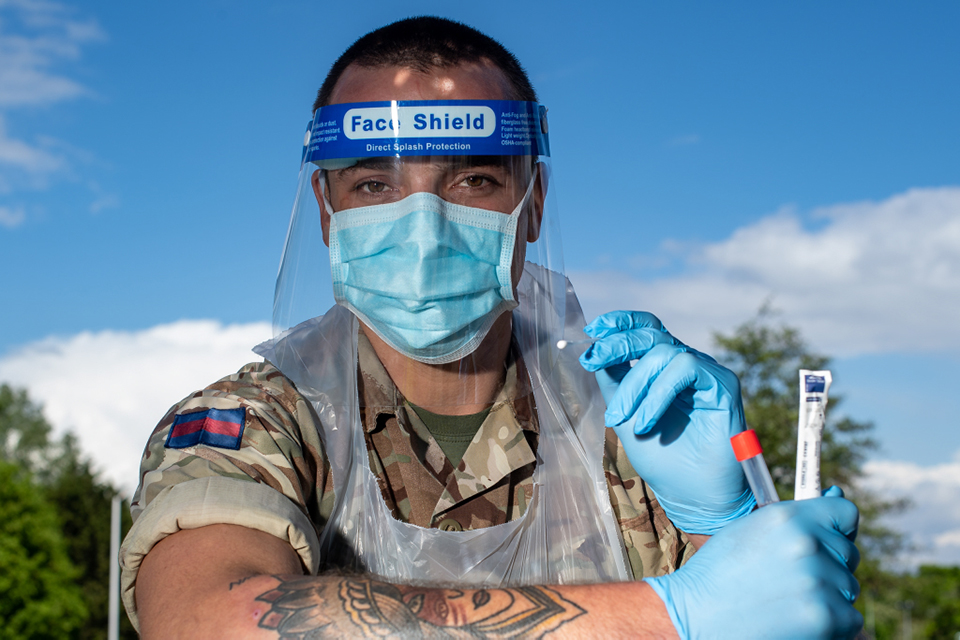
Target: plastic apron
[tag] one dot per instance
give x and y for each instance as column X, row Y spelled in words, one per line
column 567, row 535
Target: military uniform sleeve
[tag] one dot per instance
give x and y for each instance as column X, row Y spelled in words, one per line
column 655, row 547
column 245, row 451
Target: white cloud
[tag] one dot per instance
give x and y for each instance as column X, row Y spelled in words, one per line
column 948, row 539
column 31, row 159
column 874, row 277
column 112, row 387
column 932, row 523
column 11, row 217
column 48, row 35
column 102, row 200
column 37, row 38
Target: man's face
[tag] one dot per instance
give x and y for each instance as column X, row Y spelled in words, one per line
column 495, row 183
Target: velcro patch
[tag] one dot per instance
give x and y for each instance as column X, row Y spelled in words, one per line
column 221, row 428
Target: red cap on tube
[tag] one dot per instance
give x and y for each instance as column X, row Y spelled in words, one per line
column 746, row 445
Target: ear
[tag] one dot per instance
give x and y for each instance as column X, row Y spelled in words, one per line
column 324, row 214
column 537, row 198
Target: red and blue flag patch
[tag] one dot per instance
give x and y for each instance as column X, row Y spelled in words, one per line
column 221, row 428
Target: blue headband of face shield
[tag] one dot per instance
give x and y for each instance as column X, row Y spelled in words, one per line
column 341, row 134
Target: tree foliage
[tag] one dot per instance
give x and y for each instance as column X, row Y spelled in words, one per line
column 928, row 601
column 84, row 502
column 62, row 481
column 767, row 358
column 39, row 596
column 24, row 433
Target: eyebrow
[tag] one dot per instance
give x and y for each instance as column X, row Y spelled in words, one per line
column 470, row 162
column 388, row 163
column 376, row 164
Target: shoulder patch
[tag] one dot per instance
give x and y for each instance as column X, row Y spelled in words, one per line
column 221, row 428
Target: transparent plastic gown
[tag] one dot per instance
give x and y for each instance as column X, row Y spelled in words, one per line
column 568, row 533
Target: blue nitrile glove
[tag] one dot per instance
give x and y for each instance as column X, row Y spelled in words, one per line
column 674, row 412
column 785, row 571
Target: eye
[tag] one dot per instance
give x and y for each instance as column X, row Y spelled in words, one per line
column 475, row 181
column 372, row 186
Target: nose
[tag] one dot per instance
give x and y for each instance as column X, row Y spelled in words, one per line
column 422, row 178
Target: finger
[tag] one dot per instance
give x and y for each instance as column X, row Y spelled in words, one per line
column 844, row 516
column 833, row 492
column 832, row 513
column 842, row 549
column 843, row 581
column 623, row 347
column 836, row 492
column 847, row 621
column 616, row 321
column 836, row 590
column 701, row 354
column 682, row 372
column 609, row 380
column 635, row 387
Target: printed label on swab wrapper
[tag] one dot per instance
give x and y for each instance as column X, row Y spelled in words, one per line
column 814, row 387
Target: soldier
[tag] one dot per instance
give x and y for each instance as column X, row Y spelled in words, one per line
column 422, row 459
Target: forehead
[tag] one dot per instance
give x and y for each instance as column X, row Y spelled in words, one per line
column 468, row 81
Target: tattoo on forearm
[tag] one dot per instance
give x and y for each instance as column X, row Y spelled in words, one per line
column 237, row 583
column 304, row 608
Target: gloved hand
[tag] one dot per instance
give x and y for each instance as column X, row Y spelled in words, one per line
column 674, row 412
column 784, row 571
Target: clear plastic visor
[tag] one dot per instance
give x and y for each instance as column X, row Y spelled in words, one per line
column 495, row 183
column 451, row 264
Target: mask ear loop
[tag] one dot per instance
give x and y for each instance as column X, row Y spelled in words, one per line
column 323, row 190
column 526, row 195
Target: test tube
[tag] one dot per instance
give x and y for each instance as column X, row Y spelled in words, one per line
column 746, row 447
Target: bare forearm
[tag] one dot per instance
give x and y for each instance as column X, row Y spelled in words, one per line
column 356, row 606
column 225, row 581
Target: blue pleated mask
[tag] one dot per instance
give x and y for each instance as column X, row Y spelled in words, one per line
column 429, row 277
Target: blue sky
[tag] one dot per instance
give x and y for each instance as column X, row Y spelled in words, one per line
column 707, row 157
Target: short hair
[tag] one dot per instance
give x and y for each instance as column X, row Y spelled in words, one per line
column 425, row 43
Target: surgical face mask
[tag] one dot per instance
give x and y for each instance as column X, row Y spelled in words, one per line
column 427, row 276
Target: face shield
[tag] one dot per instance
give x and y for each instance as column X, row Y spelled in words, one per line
column 439, row 222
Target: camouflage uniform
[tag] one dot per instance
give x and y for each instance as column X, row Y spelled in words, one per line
column 279, row 480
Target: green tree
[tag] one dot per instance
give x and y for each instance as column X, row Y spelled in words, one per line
column 39, row 597
column 930, row 599
column 936, row 596
column 84, row 502
column 63, row 478
column 767, row 357
column 24, row 433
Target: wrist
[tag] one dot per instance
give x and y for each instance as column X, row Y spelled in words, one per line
column 657, row 620
column 696, row 539
column 706, row 519
column 660, row 589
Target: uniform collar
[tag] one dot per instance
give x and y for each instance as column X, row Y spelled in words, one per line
column 381, row 398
